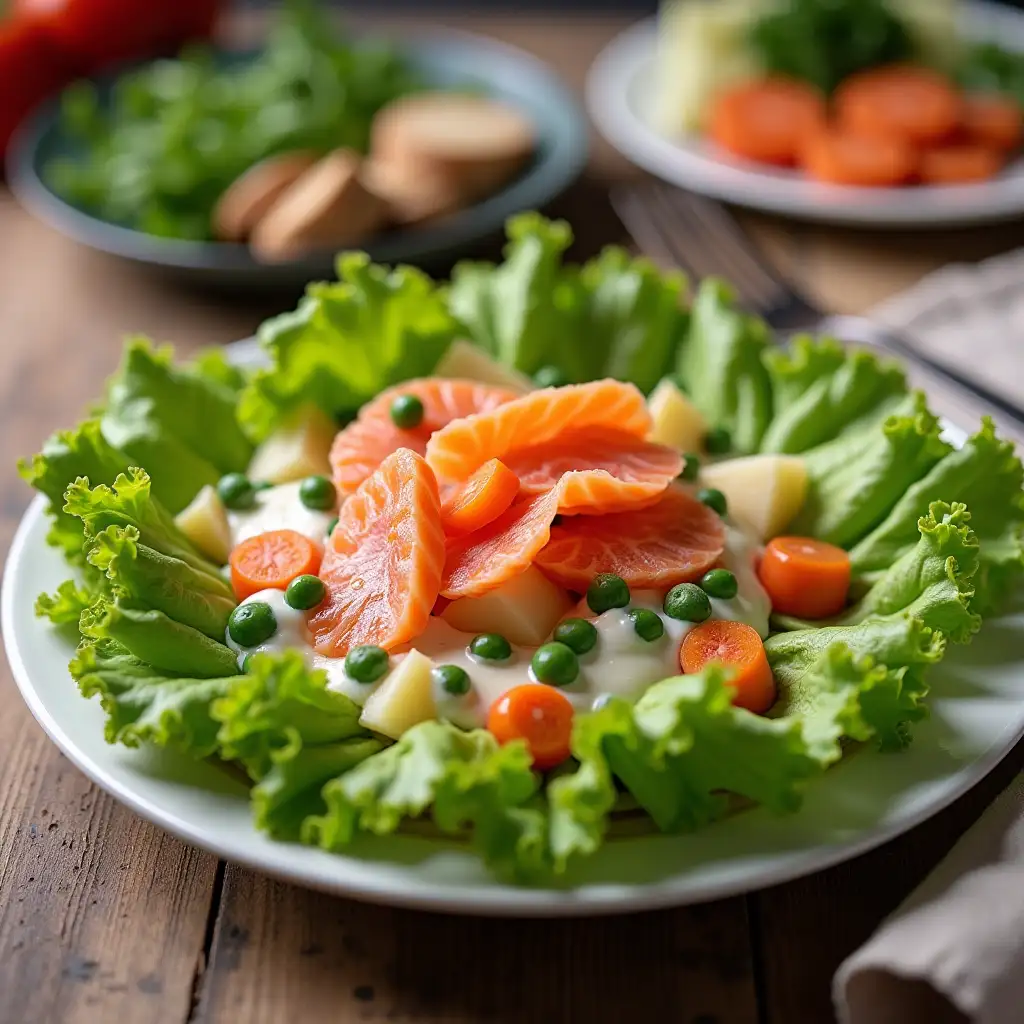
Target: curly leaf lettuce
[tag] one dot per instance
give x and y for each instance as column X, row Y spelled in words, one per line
column 855, row 480
column 986, row 475
column 66, row 604
column 347, row 341
column 722, row 369
column 820, row 387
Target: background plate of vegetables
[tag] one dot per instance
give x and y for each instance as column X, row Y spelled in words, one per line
column 253, row 169
column 864, row 112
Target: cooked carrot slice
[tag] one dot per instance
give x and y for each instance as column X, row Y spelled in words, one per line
column 737, row 646
column 271, row 561
column 960, row 165
column 481, row 499
column 805, row 577
column 838, row 157
column 993, row 121
column 538, row 714
column 909, row 103
column 766, row 120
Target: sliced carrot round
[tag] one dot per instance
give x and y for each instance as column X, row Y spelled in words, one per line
column 366, row 442
column 960, row 164
column 993, row 121
column 805, row 577
column 839, row 157
column 383, row 561
column 598, row 470
column 766, row 120
column 673, row 541
column 538, row 714
column 907, row 102
column 270, row 561
column 737, row 646
column 458, row 450
column 481, row 499
column 501, row 550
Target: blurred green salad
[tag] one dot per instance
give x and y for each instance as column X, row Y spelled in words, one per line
column 176, row 133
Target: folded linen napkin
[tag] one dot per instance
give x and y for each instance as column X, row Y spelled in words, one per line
column 954, row 950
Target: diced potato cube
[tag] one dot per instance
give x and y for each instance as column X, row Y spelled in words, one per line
column 205, row 523
column 524, row 610
column 764, row 492
column 403, row 700
column 296, row 450
column 466, row 361
column 677, row 422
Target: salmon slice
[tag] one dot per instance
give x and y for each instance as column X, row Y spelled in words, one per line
column 501, row 550
column 364, row 444
column 457, row 450
column 673, row 541
column 384, row 560
column 597, row 471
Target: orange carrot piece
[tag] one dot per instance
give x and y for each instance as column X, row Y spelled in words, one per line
column 993, row 121
column 538, row 714
column 481, row 499
column 960, row 164
column 909, row 103
column 271, row 561
column 838, row 157
column 767, row 120
column 737, row 646
column 805, row 577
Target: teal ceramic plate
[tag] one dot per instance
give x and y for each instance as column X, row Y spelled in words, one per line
column 444, row 59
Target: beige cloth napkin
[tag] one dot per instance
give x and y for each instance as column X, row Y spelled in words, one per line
column 954, row 950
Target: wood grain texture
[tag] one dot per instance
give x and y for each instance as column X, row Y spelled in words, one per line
column 283, row 954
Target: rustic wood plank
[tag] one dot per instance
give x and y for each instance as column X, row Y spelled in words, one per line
column 281, row 954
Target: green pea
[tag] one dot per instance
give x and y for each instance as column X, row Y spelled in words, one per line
column 318, row 493
column 406, row 412
column 713, row 498
column 331, row 525
column 366, row 664
column 305, row 592
column 252, row 623
column 247, row 663
column 647, row 624
column 578, row 635
column 555, row 664
column 452, row 679
column 720, row 583
column 691, row 469
column 550, row 377
column 718, row 441
column 688, row 603
column 236, row 491
column 607, row 591
column 491, row 646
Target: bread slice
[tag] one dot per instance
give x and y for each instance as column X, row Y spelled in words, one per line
column 410, row 197
column 248, row 198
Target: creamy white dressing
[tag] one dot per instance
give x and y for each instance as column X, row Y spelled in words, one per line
column 279, row 508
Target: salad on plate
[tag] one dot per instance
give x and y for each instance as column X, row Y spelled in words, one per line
column 530, row 558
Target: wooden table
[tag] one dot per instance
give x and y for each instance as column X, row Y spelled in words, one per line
column 104, row 918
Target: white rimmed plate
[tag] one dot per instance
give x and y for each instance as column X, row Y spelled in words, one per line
column 619, row 94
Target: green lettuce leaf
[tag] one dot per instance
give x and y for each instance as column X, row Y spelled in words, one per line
column 66, row 604
column 145, row 706
column 820, row 388
column 175, row 420
column 152, row 637
column 987, row 476
column 346, row 341
column 464, row 779
column 279, row 708
column 145, row 578
column 722, row 369
column 855, row 480
column 66, row 456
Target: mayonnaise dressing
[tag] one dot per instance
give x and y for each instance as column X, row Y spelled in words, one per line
column 279, row 508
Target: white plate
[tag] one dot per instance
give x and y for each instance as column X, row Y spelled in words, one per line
column 977, row 716
column 619, row 91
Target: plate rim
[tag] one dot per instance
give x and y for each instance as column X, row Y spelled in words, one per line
column 547, row 179
column 615, row 71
